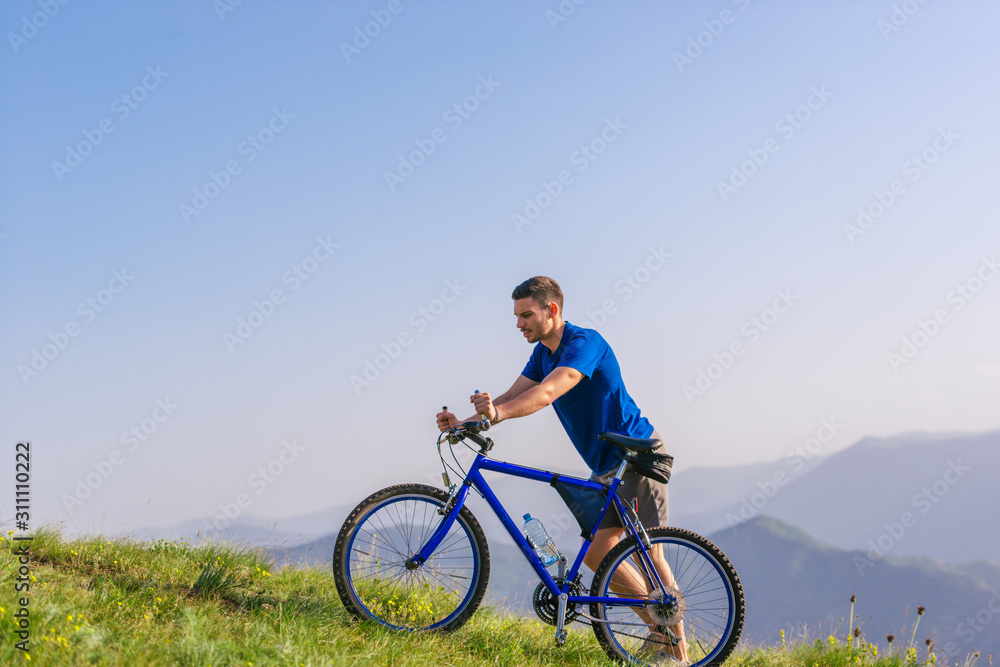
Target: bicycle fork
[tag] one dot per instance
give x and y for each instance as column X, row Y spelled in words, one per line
column 450, row 511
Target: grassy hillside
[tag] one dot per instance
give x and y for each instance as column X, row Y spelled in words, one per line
column 115, row 602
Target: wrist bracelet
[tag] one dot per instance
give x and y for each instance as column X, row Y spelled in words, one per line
column 496, row 411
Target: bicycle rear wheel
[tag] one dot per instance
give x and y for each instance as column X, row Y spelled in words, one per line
column 708, row 613
column 382, row 533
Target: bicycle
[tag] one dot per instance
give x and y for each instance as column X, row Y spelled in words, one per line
column 413, row 557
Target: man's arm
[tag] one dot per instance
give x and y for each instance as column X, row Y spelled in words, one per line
column 521, row 385
column 525, row 397
column 533, row 398
column 486, row 404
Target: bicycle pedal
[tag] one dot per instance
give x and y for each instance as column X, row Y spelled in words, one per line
column 561, row 636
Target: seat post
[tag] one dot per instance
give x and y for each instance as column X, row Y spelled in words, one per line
column 621, row 469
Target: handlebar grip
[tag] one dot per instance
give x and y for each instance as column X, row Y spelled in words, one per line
column 482, row 414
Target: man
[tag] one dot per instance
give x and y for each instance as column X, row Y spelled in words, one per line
column 574, row 370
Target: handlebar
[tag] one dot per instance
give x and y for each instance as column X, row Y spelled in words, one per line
column 470, row 430
column 456, row 434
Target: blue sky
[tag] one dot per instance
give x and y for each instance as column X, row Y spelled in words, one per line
column 818, row 110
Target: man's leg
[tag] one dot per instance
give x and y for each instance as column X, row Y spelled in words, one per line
column 627, row 581
column 667, row 578
column 605, row 539
column 651, row 497
column 653, row 508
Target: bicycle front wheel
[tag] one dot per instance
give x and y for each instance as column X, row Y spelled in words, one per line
column 375, row 543
column 700, row 627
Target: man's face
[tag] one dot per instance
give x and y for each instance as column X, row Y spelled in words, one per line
column 533, row 319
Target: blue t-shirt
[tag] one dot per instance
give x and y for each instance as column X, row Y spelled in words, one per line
column 597, row 403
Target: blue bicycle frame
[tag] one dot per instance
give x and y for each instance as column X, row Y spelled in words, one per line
column 475, row 479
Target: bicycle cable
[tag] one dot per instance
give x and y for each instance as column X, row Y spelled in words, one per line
column 447, row 466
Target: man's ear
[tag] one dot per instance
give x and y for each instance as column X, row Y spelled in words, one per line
column 553, row 309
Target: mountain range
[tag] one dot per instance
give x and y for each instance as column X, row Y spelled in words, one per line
column 915, row 494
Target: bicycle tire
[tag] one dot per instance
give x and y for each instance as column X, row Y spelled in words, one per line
column 712, row 605
column 383, row 531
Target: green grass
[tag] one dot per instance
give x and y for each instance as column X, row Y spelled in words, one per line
column 837, row 652
column 122, row 602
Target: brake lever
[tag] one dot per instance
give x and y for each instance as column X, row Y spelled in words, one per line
column 452, row 432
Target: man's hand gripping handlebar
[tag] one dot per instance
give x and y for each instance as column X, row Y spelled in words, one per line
column 470, row 430
column 456, row 434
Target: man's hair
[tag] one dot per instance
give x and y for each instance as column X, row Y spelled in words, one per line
column 542, row 289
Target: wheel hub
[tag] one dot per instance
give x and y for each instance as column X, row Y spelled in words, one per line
column 667, row 613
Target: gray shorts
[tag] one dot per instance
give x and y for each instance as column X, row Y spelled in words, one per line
column 650, row 495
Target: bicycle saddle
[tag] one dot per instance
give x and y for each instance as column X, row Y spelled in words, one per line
column 631, row 444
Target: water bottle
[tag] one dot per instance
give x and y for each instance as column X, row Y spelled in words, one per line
column 540, row 541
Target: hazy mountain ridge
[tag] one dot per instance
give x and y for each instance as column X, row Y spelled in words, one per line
column 857, row 498
column 921, row 497
column 790, row 584
column 257, row 531
column 912, row 494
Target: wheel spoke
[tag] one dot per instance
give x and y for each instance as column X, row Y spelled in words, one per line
column 400, row 526
column 707, row 613
column 388, row 537
column 388, row 545
column 441, row 592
